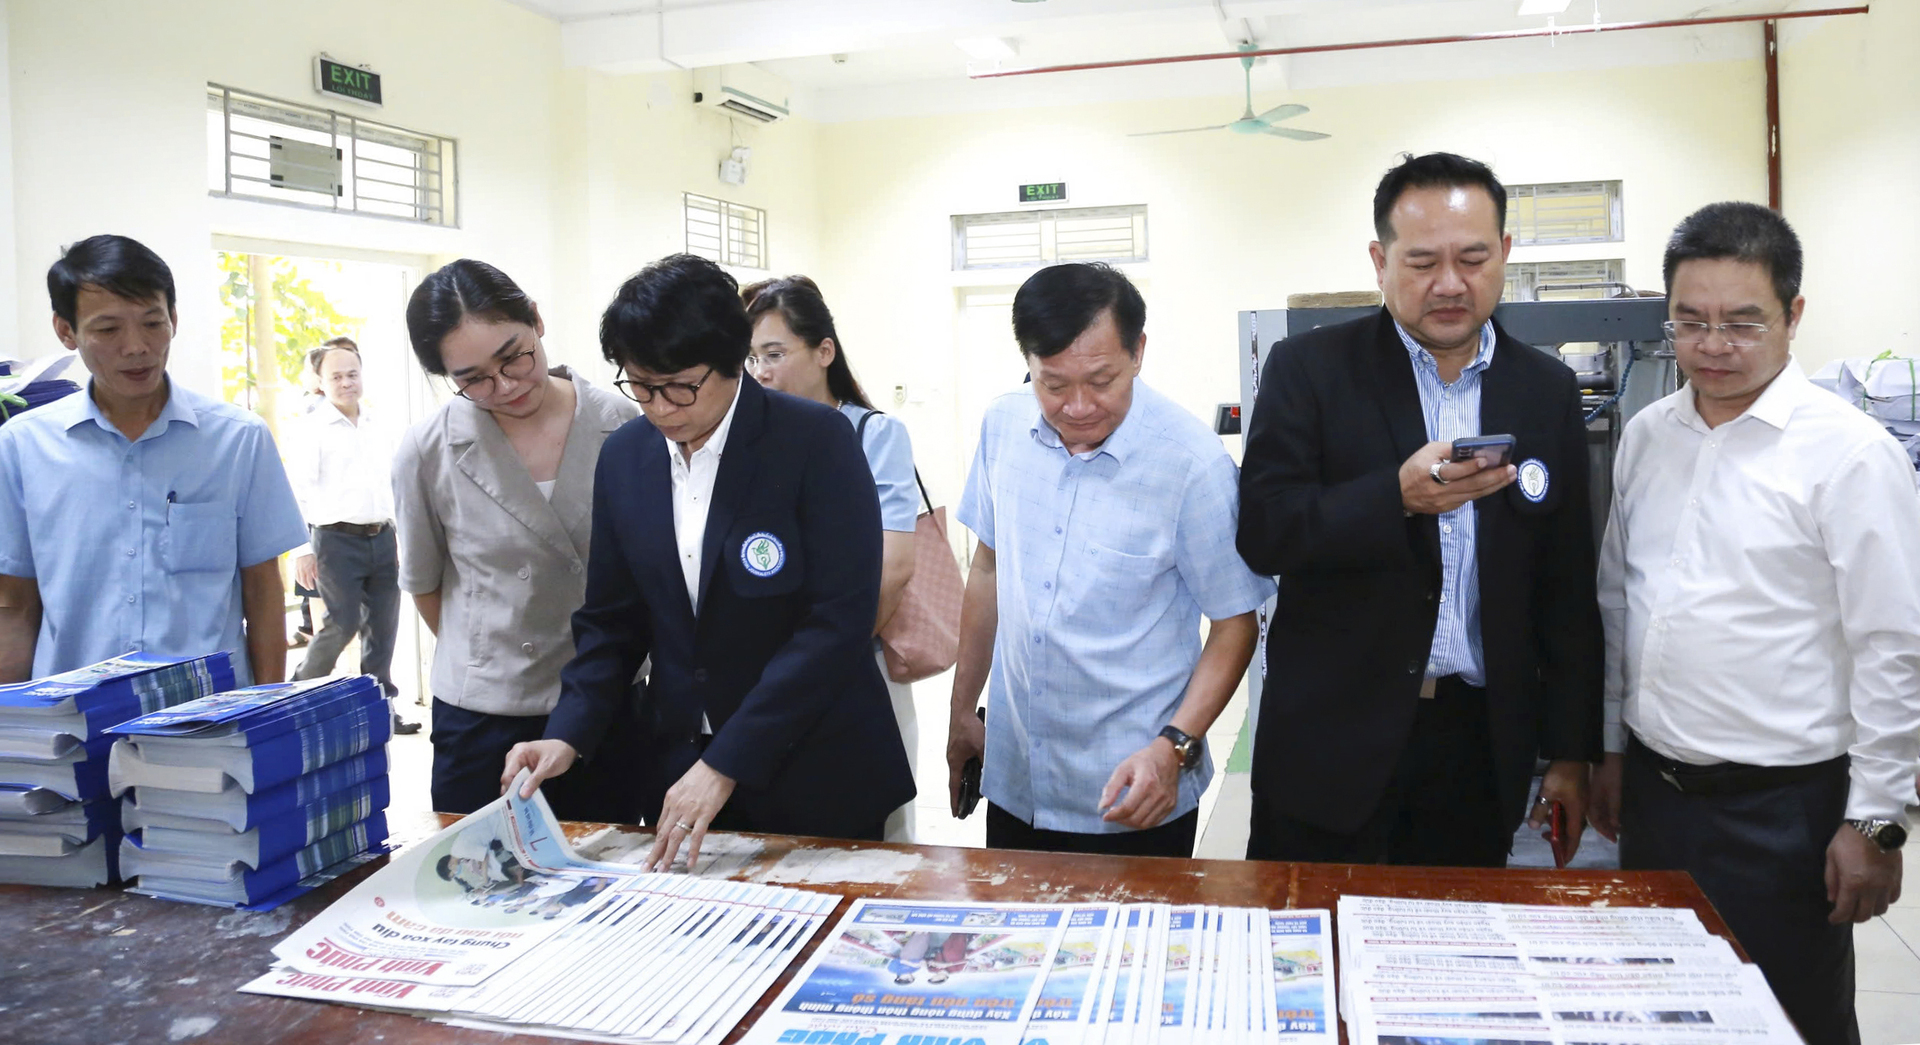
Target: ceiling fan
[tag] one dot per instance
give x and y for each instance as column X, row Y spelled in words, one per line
column 1266, row 123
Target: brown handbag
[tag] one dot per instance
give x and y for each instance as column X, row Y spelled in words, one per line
column 923, row 637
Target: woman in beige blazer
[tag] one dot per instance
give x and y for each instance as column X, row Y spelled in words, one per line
column 493, row 496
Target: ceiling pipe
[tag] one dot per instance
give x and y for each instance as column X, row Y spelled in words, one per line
column 1370, row 45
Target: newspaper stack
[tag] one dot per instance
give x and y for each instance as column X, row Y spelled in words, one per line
column 251, row 797
column 497, row 923
column 1424, row 970
column 58, row 825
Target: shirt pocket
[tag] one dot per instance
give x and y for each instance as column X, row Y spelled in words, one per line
column 201, row 537
column 763, row 558
column 1098, row 580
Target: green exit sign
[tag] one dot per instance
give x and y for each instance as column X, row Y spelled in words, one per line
column 345, row 81
column 1045, row 192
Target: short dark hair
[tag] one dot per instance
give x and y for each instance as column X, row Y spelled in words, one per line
column 1435, row 169
column 317, row 356
column 123, row 267
column 1058, row 303
column 460, row 289
column 804, row 310
column 679, row 312
column 1743, row 232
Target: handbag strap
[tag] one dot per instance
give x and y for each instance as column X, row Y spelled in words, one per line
column 860, row 433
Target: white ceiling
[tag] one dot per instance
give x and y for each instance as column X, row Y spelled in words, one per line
column 899, row 56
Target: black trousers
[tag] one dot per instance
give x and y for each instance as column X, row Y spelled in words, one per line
column 1440, row 809
column 360, row 583
column 1761, row 857
column 1171, row 838
column 470, row 751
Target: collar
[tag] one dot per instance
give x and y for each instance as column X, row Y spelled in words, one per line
column 1118, row 445
column 1774, row 407
column 331, row 414
column 1422, row 357
column 717, row 442
column 73, row 410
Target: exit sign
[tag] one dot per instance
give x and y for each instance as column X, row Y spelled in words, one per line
column 1045, row 192
column 345, row 81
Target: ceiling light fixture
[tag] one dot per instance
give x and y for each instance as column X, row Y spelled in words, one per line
column 1529, row 8
column 987, row 48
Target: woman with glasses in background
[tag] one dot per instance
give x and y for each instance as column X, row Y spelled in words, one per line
column 494, row 497
column 796, row 350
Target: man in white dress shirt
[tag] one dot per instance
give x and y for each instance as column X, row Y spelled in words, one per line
column 338, row 460
column 1760, row 587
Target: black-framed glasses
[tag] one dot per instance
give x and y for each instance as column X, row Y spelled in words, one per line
column 1736, row 335
column 679, row 393
column 515, row 367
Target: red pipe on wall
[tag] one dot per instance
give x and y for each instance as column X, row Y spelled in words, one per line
column 1772, row 40
column 1369, row 45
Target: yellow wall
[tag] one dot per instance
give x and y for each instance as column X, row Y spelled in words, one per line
column 1850, row 157
column 1240, row 223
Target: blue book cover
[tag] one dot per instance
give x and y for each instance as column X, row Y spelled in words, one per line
column 287, row 798
column 258, row 711
column 282, row 758
column 287, row 871
column 330, row 815
column 130, row 684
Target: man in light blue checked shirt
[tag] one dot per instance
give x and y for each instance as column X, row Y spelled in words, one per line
column 1105, row 515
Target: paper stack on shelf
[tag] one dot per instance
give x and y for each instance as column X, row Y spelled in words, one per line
column 58, row 824
column 249, row 798
column 1424, row 970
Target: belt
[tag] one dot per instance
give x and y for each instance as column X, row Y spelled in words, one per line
column 1727, row 778
column 356, row 529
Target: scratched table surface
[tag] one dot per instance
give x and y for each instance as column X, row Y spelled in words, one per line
column 100, row 966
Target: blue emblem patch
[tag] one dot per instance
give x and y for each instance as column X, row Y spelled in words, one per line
column 1533, row 480
column 763, row 554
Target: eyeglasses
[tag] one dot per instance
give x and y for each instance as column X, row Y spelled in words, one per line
column 679, row 393
column 514, row 368
column 1736, row 335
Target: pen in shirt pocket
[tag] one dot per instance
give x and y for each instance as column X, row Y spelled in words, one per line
column 172, row 496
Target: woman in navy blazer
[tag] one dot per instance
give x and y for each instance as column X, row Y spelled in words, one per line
column 736, row 541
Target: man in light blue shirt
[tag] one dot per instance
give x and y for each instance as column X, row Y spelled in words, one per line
column 138, row 515
column 1105, row 515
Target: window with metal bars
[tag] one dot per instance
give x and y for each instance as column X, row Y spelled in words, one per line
column 264, row 148
column 1565, row 280
column 1028, row 238
column 1566, row 212
column 729, row 233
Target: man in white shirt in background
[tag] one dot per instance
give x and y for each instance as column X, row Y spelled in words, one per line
column 338, row 460
column 1760, row 588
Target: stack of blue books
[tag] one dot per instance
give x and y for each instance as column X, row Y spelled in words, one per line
column 250, row 797
column 58, row 823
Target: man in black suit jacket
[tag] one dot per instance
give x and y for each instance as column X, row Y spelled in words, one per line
column 1436, row 627
column 764, row 709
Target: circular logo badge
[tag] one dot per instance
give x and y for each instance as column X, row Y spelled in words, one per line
column 1533, row 480
column 763, row 554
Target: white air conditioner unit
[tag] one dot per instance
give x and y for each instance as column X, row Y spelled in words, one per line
column 742, row 90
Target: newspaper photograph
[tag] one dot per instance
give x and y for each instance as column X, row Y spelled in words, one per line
column 1303, row 986
column 1071, row 992
column 918, row 968
column 459, row 906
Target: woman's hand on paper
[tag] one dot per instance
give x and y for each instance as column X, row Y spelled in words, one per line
column 543, row 759
column 691, row 805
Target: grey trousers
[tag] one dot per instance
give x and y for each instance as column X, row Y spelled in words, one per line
column 1761, row 858
column 360, row 583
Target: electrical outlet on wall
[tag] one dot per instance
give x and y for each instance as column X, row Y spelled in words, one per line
column 899, row 395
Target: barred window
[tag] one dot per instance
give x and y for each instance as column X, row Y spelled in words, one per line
column 1028, row 238
column 263, row 148
column 1565, row 280
column 1566, row 212
column 728, row 233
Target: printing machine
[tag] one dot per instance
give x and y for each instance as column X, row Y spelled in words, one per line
column 1615, row 344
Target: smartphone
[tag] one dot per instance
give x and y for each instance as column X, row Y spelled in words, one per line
column 1494, row 451
column 970, row 778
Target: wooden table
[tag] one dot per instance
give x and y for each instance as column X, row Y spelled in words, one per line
column 100, row 966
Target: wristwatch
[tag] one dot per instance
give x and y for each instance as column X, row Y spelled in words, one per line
column 1184, row 745
column 1886, row 834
